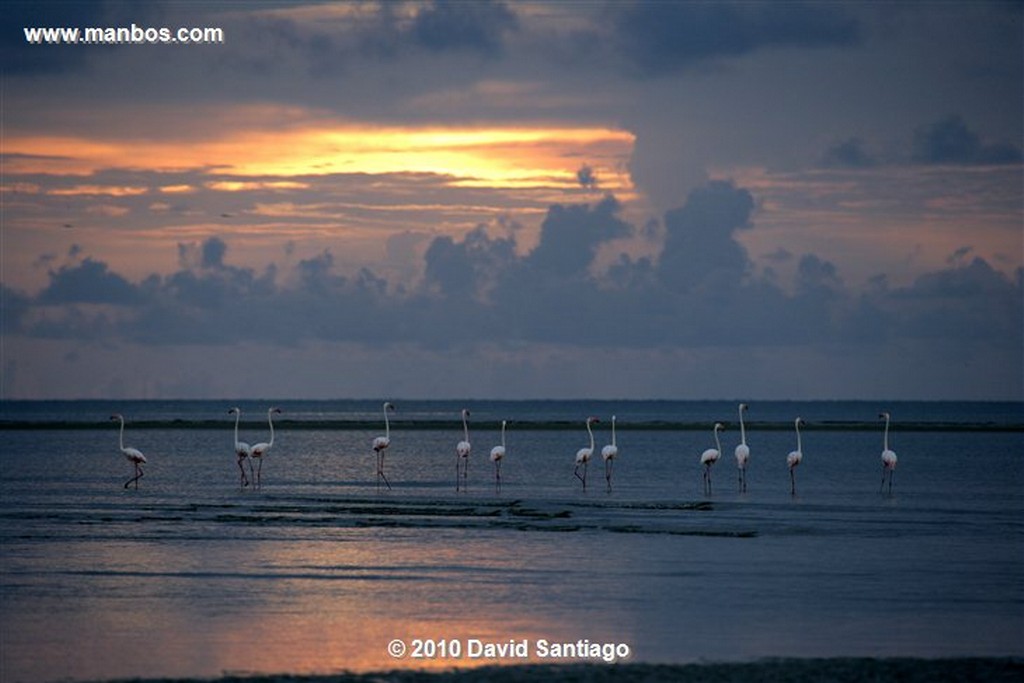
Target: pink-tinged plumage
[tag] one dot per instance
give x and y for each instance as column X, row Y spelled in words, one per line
column 261, row 449
column 710, row 456
column 462, row 452
column 795, row 457
column 498, row 455
column 742, row 453
column 583, row 455
column 242, row 449
column 381, row 444
column 132, row 455
column 608, row 454
column 888, row 456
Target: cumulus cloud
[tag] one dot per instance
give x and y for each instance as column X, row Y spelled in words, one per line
column 951, row 141
column 479, row 291
column 475, row 26
column 662, row 37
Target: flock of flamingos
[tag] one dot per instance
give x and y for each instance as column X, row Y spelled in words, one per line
column 609, row 453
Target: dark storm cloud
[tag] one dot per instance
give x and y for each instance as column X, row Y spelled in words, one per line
column 20, row 57
column 571, row 235
column 663, row 37
column 951, row 141
column 700, row 239
column 88, row 282
column 701, row 291
column 475, row 26
column 848, row 154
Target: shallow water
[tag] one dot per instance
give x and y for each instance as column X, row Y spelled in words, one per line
column 191, row 575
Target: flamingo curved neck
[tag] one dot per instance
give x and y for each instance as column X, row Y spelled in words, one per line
column 718, row 444
column 886, row 444
column 387, row 425
column 270, row 421
column 238, row 416
column 613, row 430
column 798, row 447
column 743, row 431
column 591, row 435
column 465, row 427
column 120, row 438
column 502, row 433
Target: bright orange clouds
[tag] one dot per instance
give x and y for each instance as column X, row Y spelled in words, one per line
column 498, row 157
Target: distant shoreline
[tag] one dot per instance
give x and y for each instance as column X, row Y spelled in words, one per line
column 520, row 425
column 836, row 670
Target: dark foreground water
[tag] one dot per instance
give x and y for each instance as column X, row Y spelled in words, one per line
column 193, row 575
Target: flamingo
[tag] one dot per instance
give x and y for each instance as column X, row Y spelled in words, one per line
column 794, row 458
column 462, row 451
column 259, row 450
column 583, row 455
column 241, row 449
column 497, row 455
column 888, row 456
column 608, row 454
column 380, row 444
column 710, row 457
column 134, row 455
column 742, row 453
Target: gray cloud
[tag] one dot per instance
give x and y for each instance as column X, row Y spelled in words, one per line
column 663, row 37
column 700, row 293
column 476, row 26
column 951, row 141
column 849, row 153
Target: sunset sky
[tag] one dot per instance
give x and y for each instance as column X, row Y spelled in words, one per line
column 516, row 200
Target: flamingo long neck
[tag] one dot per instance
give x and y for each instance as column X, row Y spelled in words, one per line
column 743, row 430
column 613, row 430
column 120, row 439
column 387, row 425
column 502, row 433
column 718, row 444
column 270, row 421
column 886, row 441
column 465, row 427
column 798, row 447
column 591, row 435
column 238, row 416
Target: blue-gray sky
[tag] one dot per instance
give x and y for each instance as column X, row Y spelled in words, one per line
column 515, row 200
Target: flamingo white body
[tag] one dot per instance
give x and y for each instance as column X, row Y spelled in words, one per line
column 242, row 449
column 380, row 444
column 497, row 455
column 132, row 455
column 888, row 456
column 710, row 456
column 742, row 453
column 583, row 455
column 608, row 454
column 462, row 451
column 794, row 458
column 259, row 450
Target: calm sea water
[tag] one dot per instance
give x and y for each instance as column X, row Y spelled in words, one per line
column 193, row 575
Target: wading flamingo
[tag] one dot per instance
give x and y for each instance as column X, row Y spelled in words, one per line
column 742, row 453
column 462, row 451
column 583, row 455
column 134, row 455
column 497, row 455
column 888, row 456
column 709, row 457
column 259, row 450
column 241, row 449
column 380, row 444
column 794, row 458
column 608, row 454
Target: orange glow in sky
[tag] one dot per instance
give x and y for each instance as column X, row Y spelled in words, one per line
column 491, row 157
